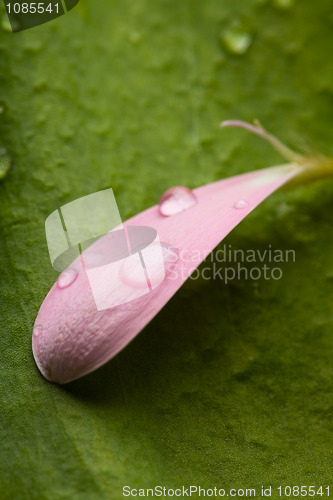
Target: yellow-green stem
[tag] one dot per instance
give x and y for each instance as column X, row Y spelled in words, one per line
column 311, row 169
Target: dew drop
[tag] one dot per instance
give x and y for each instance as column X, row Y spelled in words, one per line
column 241, row 204
column 236, row 42
column 176, row 200
column 159, row 260
column 133, row 274
column 94, row 259
column 5, row 162
column 37, row 330
column 66, row 278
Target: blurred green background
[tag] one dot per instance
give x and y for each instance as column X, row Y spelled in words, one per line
column 229, row 386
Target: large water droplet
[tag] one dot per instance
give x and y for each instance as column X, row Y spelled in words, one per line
column 239, row 204
column 236, row 41
column 132, row 273
column 159, row 260
column 5, row 162
column 66, row 278
column 176, row 200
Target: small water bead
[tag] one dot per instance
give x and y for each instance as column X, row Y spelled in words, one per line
column 37, row 330
column 93, row 259
column 176, row 200
column 237, row 42
column 241, row 204
column 66, row 278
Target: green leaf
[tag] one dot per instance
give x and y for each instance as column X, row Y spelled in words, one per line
column 230, row 385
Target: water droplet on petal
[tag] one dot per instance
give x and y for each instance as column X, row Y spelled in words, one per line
column 37, row 330
column 158, row 259
column 176, row 200
column 93, row 259
column 132, row 273
column 241, row 204
column 66, row 278
column 5, row 162
column 236, row 42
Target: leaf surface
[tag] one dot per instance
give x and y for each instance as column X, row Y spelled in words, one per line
column 230, row 385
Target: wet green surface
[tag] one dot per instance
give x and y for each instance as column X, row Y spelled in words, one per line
column 229, row 386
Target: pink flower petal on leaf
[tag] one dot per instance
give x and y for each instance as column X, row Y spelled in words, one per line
column 72, row 338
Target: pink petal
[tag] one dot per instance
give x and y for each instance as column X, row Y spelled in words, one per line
column 72, row 338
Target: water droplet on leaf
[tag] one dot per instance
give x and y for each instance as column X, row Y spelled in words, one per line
column 241, row 204
column 236, row 41
column 66, row 278
column 176, row 200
